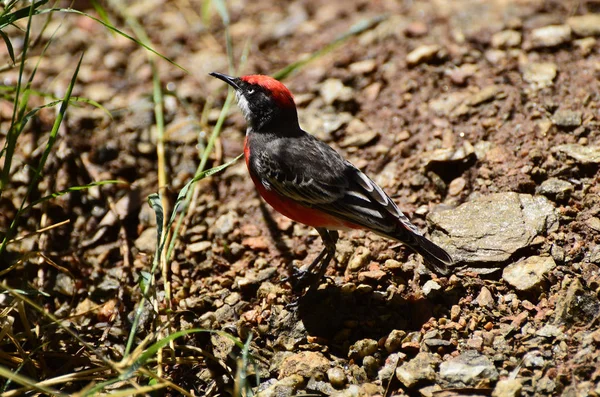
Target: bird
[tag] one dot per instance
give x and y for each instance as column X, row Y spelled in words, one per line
column 309, row 182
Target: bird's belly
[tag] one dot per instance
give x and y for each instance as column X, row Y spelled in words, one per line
column 300, row 213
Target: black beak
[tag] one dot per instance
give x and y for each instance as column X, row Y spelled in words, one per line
column 228, row 79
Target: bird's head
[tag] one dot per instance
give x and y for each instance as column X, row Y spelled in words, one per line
column 265, row 102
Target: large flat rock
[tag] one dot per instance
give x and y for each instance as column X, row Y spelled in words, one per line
column 491, row 229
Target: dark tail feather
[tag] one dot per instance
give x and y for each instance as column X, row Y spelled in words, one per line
column 436, row 258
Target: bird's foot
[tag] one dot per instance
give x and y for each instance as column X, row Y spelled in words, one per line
column 299, row 279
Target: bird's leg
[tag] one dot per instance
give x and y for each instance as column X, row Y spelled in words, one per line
column 321, row 261
column 330, row 243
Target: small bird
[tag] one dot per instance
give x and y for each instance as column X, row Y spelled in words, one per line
column 309, row 182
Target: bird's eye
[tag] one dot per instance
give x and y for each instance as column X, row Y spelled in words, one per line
column 250, row 91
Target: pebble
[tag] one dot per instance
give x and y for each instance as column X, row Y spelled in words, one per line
column 363, row 67
column 585, row 45
column 363, row 348
column 200, row 246
column 306, row 364
column 507, row 388
column 555, row 189
column 431, row 288
column 585, row 25
column 582, row 154
column 359, row 139
column 506, row 39
column 146, row 242
column 576, row 305
column 336, row 377
column 485, row 298
column 540, row 74
column 419, row 369
column 393, row 342
column 64, row 284
column 468, row 368
column 285, row 387
column 359, row 259
column 456, row 186
column 334, row 90
column 258, row 243
column 550, row 36
column 422, row 54
column 225, row 223
column 529, row 273
column 567, row 119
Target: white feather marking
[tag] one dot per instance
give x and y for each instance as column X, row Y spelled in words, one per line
column 243, row 105
column 357, row 195
column 366, row 211
column 365, row 182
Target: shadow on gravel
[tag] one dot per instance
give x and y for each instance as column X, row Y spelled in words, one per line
column 344, row 318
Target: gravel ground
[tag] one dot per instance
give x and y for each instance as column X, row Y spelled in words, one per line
column 479, row 118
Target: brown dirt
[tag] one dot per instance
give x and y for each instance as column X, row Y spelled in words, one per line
column 234, row 281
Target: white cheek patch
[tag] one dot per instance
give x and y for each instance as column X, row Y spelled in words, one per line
column 243, row 105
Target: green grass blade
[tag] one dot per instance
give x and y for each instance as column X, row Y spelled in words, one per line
column 72, row 189
column 9, row 47
column 13, row 131
column 115, row 30
column 38, row 171
column 9, row 19
column 27, row 382
column 358, row 28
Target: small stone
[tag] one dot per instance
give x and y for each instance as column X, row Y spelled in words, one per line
column 64, row 284
column 362, row 348
column 200, row 246
column 394, row 340
column 456, row 186
column 258, row 243
column 585, row 25
column 567, row 119
column 550, row 36
column 555, row 189
column 146, row 242
column 422, row 54
column 507, row 388
column 334, row 90
column 506, row 39
column 336, row 377
column 306, row 364
column 593, row 223
column 485, row 298
column 533, row 359
column 529, row 273
column 540, row 74
column 286, row 387
column 363, row 67
column 583, row 154
column 359, row 259
column 585, row 45
column 225, row 223
column 371, row 276
column 358, row 134
column 431, row 287
column 577, row 305
column 416, row 29
column 418, row 370
column 468, row 368
column 549, row 331
column 486, row 94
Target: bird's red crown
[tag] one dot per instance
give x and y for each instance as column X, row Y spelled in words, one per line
column 282, row 96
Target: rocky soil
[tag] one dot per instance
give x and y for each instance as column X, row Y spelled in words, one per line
column 480, row 118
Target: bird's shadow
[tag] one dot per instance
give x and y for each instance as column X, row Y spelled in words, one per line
column 344, row 318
